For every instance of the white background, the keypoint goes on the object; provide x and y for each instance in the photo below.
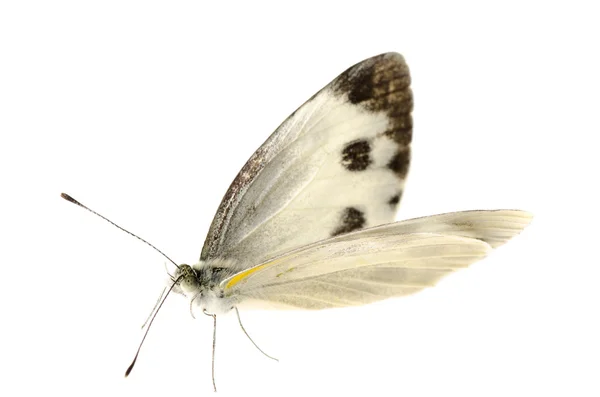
(146, 110)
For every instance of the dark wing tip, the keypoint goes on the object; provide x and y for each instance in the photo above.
(381, 84)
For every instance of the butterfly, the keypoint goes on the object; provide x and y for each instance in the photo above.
(309, 220)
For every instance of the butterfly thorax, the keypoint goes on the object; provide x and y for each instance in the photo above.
(201, 285)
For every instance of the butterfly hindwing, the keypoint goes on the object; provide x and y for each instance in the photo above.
(395, 259)
(336, 165)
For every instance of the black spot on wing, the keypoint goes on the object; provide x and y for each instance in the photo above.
(399, 163)
(352, 219)
(394, 200)
(355, 156)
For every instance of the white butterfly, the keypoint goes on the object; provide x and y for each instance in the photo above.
(307, 223)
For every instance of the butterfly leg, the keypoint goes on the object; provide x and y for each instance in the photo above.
(254, 343)
(214, 343)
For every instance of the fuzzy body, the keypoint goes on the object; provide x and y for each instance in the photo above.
(200, 283)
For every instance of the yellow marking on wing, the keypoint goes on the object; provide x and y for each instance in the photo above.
(242, 275)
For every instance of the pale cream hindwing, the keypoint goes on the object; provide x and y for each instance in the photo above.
(336, 165)
(368, 265)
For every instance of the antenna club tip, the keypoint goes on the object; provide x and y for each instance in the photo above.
(68, 198)
(129, 369)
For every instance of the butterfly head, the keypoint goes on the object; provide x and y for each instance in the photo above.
(189, 282)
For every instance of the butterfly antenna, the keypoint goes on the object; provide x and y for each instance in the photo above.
(155, 305)
(72, 200)
(150, 325)
(214, 316)
(254, 343)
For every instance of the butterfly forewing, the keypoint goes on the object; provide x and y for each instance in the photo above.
(336, 165)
